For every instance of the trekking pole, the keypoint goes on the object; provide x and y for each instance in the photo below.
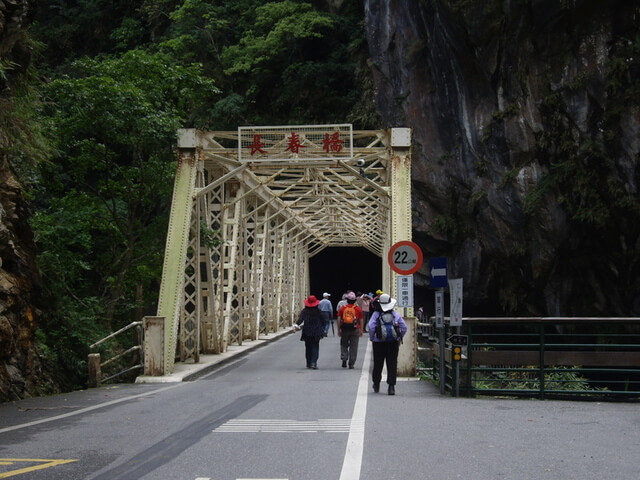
(333, 328)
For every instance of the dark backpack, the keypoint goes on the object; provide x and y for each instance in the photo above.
(349, 316)
(385, 329)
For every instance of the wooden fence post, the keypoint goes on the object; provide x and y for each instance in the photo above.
(95, 374)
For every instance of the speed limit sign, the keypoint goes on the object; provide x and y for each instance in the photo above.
(405, 257)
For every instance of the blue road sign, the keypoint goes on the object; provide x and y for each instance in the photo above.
(438, 272)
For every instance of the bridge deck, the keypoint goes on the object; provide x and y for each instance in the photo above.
(260, 416)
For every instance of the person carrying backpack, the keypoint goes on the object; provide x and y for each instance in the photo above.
(386, 329)
(349, 330)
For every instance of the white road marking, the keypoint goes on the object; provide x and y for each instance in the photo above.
(355, 444)
(329, 425)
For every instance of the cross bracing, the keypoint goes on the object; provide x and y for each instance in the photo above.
(243, 228)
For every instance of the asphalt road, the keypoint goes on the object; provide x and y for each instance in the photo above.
(265, 416)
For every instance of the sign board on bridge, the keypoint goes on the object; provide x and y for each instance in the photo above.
(300, 142)
(460, 340)
(439, 309)
(405, 291)
(455, 302)
(438, 272)
(405, 258)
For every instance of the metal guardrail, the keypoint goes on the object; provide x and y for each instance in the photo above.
(95, 365)
(542, 357)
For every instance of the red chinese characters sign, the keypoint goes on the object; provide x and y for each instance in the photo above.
(295, 142)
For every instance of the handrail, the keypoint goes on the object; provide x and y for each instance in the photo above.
(120, 355)
(114, 334)
(94, 362)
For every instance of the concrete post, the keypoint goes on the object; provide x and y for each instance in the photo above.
(407, 356)
(154, 346)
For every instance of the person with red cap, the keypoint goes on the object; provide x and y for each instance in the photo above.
(312, 323)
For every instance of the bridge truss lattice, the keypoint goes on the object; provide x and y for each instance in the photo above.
(241, 232)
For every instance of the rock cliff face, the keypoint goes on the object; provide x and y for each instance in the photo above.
(20, 367)
(21, 373)
(526, 127)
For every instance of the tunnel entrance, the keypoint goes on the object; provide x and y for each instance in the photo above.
(338, 269)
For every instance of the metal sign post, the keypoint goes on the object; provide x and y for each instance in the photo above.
(441, 336)
(438, 280)
(455, 318)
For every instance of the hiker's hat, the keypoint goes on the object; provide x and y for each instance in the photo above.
(387, 303)
(312, 301)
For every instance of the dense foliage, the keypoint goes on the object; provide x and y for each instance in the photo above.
(119, 79)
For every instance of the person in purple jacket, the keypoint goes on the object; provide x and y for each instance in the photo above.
(386, 329)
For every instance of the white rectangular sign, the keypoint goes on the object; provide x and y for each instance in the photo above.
(439, 309)
(455, 302)
(405, 290)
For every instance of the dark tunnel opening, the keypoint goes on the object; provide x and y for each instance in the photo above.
(338, 269)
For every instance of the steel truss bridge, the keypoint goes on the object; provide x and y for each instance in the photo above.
(251, 207)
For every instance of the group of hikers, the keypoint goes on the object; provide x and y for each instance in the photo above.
(356, 314)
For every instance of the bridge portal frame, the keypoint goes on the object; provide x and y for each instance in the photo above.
(241, 234)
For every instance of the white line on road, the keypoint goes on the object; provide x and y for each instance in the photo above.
(328, 425)
(88, 409)
(355, 444)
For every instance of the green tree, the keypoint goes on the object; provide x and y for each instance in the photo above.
(103, 201)
(72, 29)
(293, 64)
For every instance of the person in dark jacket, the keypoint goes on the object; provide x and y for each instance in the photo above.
(312, 323)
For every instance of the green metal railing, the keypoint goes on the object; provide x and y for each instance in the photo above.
(546, 357)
